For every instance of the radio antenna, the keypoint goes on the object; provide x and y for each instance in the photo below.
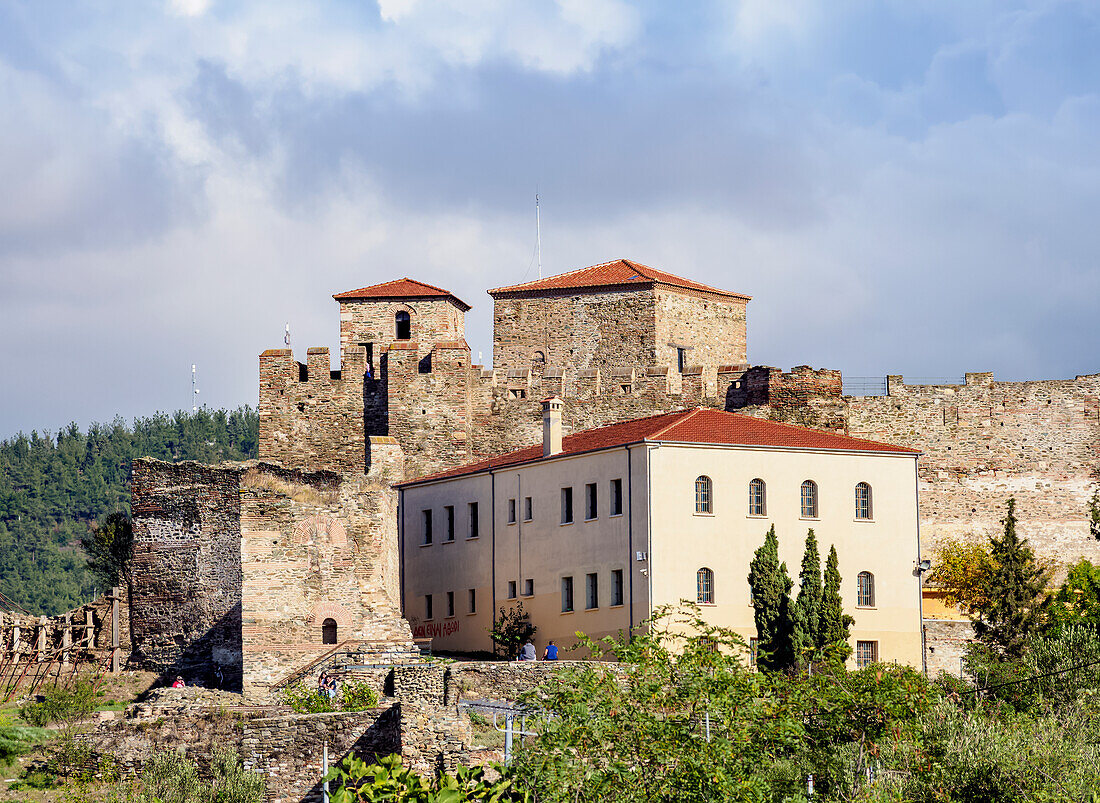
(194, 390)
(538, 233)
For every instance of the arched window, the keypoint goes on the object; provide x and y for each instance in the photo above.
(809, 499)
(863, 501)
(703, 496)
(538, 358)
(403, 324)
(704, 586)
(758, 498)
(328, 631)
(865, 590)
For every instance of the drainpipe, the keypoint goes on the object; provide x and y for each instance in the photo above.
(649, 525)
(493, 541)
(630, 536)
(920, 573)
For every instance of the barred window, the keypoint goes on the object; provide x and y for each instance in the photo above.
(865, 590)
(703, 496)
(863, 501)
(704, 586)
(758, 498)
(866, 653)
(809, 499)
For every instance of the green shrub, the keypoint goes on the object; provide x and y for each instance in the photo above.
(61, 705)
(169, 777)
(357, 696)
(307, 700)
(388, 779)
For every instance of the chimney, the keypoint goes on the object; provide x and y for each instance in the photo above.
(551, 426)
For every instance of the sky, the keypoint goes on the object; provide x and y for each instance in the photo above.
(904, 187)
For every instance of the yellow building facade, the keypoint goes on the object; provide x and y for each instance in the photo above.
(594, 531)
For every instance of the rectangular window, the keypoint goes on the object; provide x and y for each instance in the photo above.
(475, 525)
(528, 509)
(617, 587)
(566, 594)
(511, 511)
(473, 600)
(866, 653)
(426, 526)
(428, 606)
(566, 505)
(450, 603)
(591, 591)
(616, 497)
(681, 355)
(590, 501)
(450, 512)
(511, 589)
(528, 587)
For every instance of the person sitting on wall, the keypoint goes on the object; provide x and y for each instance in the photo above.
(178, 682)
(528, 652)
(551, 653)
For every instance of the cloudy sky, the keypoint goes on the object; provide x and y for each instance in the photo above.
(905, 187)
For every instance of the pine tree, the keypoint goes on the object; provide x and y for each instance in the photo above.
(1017, 592)
(770, 586)
(833, 623)
(806, 621)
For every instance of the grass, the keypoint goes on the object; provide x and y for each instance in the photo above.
(299, 492)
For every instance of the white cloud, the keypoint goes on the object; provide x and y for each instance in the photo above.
(189, 8)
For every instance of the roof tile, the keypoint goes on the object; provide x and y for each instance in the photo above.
(401, 288)
(701, 426)
(616, 273)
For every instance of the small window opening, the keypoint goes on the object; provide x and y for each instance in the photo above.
(328, 631)
(403, 325)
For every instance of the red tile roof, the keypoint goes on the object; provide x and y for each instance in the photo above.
(701, 426)
(618, 273)
(401, 288)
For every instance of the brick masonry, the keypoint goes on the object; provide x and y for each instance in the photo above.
(239, 566)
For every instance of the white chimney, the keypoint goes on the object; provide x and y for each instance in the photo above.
(551, 426)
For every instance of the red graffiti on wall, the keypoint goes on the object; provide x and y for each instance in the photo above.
(435, 629)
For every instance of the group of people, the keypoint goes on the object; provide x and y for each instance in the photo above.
(528, 652)
(326, 685)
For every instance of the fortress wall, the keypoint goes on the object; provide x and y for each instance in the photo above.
(373, 321)
(710, 328)
(315, 547)
(985, 441)
(578, 329)
(185, 612)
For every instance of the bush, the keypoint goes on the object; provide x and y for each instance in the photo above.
(357, 696)
(169, 777)
(389, 780)
(61, 705)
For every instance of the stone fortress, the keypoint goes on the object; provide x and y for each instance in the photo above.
(249, 572)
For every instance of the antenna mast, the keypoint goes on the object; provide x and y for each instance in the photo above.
(538, 235)
(194, 390)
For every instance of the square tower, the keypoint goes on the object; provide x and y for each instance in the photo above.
(403, 311)
(616, 314)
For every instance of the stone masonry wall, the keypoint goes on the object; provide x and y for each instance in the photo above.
(185, 614)
(433, 320)
(710, 328)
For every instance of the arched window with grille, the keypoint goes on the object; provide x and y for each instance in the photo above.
(403, 325)
(538, 359)
(863, 501)
(704, 586)
(704, 498)
(758, 498)
(328, 631)
(809, 499)
(865, 590)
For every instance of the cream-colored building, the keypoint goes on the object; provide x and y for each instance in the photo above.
(595, 530)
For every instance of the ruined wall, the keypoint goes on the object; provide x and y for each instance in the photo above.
(985, 441)
(433, 320)
(313, 548)
(185, 613)
(238, 566)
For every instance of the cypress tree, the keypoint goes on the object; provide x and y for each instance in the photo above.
(1017, 592)
(833, 623)
(806, 621)
(771, 587)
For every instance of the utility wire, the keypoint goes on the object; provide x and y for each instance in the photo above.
(1034, 677)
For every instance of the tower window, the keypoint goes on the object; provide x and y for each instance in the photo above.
(403, 323)
(328, 631)
(538, 358)
(681, 359)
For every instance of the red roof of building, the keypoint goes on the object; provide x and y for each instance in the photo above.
(618, 273)
(700, 426)
(401, 288)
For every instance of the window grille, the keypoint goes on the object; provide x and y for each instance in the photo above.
(865, 590)
(704, 586)
(703, 496)
(863, 501)
(809, 499)
(758, 498)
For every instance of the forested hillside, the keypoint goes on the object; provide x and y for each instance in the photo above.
(53, 487)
